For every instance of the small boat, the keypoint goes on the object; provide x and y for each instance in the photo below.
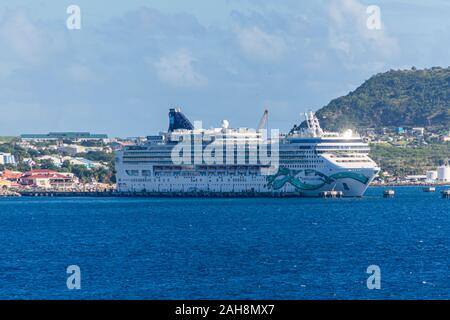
(390, 193)
(446, 194)
(429, 189)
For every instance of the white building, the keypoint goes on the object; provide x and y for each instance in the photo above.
(432, 175)
(418, 131)
(443, 173)
(56, 160)
(7, 158)
(84, 162)
(71, 150)
(416, 177)
(74, 149)
(58, 136)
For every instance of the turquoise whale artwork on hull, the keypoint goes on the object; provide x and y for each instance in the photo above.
(285, 175)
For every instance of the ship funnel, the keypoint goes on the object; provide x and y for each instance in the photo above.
(177, 120)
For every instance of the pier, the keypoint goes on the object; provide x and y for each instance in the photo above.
(67, 193)
(388, 193)
(7, 193)
(196, 194)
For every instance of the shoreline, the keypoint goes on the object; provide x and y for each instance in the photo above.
(116, 194)
(410, 184)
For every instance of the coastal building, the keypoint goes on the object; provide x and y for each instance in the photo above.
(443, 173)
(56, 160)
(48, 179)
(26, 144)
(431, 176)
(11, 175)
(29, 161)
(416, 178)
(418, 131)
(7, 158)
(5, 184)
(74, 149)
(72, 136)
(83, 162)
(119, 144)
(71, 150)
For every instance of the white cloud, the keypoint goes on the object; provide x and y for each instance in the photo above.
(178, 70)
(21, 36)
(293, 50)
(348, 30)
(259, 44)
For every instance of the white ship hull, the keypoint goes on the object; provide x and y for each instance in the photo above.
(244, 185)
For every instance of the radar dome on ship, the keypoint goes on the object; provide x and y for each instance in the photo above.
(225, 124)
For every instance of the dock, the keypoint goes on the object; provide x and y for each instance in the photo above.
(68, 193)
(196, 194)
(388, 193)
(5, 194)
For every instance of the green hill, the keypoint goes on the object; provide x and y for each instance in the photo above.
(395, 98)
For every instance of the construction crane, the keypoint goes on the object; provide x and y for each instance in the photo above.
(263, 121)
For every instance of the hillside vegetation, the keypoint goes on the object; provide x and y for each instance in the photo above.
(395, 98)
(404, 160)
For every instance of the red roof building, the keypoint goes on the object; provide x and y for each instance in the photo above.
(11, 175)
(48, 179)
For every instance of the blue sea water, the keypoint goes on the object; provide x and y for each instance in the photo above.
(226, 248)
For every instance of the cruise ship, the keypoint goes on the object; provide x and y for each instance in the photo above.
(189, 160)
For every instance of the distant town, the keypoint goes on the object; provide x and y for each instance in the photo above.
(410, 155)
(60, 161)
(84, 162)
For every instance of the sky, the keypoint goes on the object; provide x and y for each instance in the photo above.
(224, 59)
